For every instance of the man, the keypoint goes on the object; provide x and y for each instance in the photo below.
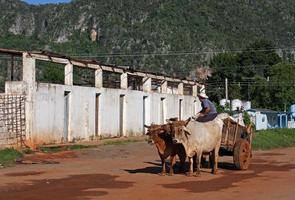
(208, 112)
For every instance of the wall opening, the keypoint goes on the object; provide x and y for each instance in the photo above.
(187, 89)
(66, 115)
(122, 116)
(48, 72)
(135, 83)
(97, 114)
(162, 111)
(111, 80)
(180, 109)
(83, 77)
(172, 88)
(156, 85)
(10, 70)
(145, 113)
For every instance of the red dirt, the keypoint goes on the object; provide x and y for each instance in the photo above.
(49, 156)
(30, 173)
(130, 172)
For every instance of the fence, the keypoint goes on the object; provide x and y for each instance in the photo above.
(12, 120)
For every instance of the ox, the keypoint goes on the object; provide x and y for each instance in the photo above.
(198, 138)
(161, 137)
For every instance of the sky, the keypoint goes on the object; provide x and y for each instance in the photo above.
(46, 1)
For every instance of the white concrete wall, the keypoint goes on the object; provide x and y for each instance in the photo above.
(48, 112)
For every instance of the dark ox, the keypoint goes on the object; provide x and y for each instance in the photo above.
(161, 136)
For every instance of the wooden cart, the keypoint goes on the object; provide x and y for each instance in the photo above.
(236, 141)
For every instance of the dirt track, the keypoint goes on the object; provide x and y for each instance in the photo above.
(130, 172)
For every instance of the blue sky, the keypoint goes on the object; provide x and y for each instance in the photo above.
(46, 1)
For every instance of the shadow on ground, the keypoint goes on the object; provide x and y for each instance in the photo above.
(156, 168)
(230, 178)
(74, 187)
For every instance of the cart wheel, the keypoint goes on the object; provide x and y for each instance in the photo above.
(242, 154)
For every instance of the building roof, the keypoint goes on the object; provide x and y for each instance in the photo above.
(94, 64)
(266, 111)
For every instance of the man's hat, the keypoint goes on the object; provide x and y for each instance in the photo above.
(203, 93)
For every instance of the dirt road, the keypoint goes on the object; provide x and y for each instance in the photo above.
(130, 172)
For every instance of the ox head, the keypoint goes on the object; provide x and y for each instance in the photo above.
(179, 131)
(156, 132)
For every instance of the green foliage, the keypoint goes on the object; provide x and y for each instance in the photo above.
(8, 156)
(263, 84)
(246, 118)
(274, 138)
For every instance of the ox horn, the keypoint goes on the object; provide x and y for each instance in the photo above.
(146, 126)
(187, 121)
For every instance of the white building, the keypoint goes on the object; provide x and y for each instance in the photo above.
(56, 113)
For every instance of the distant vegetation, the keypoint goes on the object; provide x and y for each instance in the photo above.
(257, 74)
(274, 138)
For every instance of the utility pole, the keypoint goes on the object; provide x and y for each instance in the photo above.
(226, 90)
(12, 69)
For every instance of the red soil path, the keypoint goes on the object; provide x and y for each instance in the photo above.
(130, 172)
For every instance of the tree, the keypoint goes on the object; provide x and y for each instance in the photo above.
(282, 81)
(224, 65)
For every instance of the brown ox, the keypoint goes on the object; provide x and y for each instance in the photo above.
(161, 137)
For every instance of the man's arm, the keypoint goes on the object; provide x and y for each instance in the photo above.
(204, 111)
(206, 108)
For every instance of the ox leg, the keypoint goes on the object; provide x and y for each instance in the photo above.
(199, 158)
(163, 173)
(214, 161)
(172, 162)
(182, 163)
(195, 162)
(191, 166)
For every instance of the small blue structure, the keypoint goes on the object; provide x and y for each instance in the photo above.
(267, 119)
(292, 114)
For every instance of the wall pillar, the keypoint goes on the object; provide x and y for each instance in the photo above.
(29, 79)
(195, 90)
(180, 89)
(147, 84)
(124, 81)
(164, 87)
(98, 78)
(69, 74)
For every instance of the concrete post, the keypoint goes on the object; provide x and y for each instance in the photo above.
(164, 87)
(98, 78)
(180, 89)
(29, 79)
(69, 74)
(147, 84)
(195, 90)
(124, 81)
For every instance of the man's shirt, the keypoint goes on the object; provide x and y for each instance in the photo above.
(206, 103)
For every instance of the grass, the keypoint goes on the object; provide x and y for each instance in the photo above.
(119, 142)
(55, 149)
(273, 138)
(8, 156)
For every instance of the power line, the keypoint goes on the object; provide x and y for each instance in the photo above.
(173, 53)
(177, 53)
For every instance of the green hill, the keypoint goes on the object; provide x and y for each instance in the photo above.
(147, 26)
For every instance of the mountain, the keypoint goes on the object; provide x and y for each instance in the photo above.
(130, 27)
